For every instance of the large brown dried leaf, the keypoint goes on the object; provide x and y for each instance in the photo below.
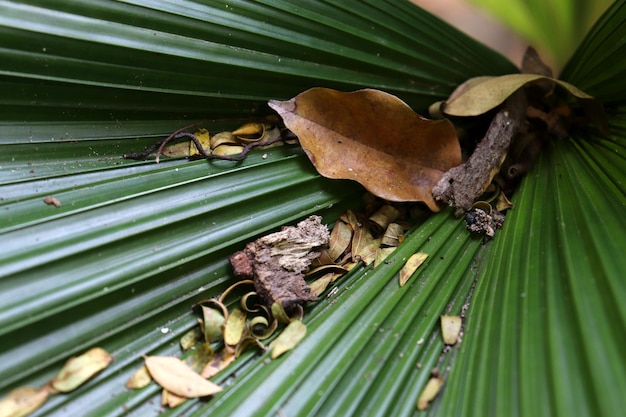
(374, 138)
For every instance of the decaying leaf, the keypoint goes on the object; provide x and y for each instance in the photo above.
(190, 338)
(288, 338)
(382, 254)
(364, 245)
(220, 361)
(201, 355)
(411, 265)
(384, 216)
(394, 235)
(319, 285)
(213, 320)
(188, 148)
(429, 392)
(374, 138)
(170, 399)
(340, 239)
(172, 374)
(234, 327)
(79, 369)
(486, 93)
(23, 400)
(450, 329)
(139, 379)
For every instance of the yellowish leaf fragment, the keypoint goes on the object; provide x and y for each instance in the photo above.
(364, 246)
(205, 140)
(220, 361)
(79, 369)
(340, 239)
(382, 254)
(223, 138)
(22, 401)
(414, 262)
(189, 339)
(394, 235)
(140, 379)
(319, 285)
(288, 339)
(429, 392)
(278, 312)
(202, 354)
(450, 329)
(234, 327)
(172, 374)
(170, 399)
(384, 215)
(213, 321)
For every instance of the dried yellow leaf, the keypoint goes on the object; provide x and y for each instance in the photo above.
(450, 329)
(222, 138)
(414, 262)
(234, 327)
(364, 246)
(249, 129)
(140, 379)
(172, 374)
(384, 215)
(226, 149)
(382, 254)
(394, 235)
(340, 239)
(202, 354)
(288, 339)
(278, 312)
(429, 392)
(213, 322)
(220, 361)
(189, 339)
(79, 369)
(170, 399)
(22, 401)
(319, 285)
(205, 140)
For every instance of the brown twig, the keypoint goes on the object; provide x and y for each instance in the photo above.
(463, 184)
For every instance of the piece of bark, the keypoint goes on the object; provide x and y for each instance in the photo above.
(462, 185)
(277, 262)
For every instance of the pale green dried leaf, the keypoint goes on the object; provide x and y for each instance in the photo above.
(79, 369)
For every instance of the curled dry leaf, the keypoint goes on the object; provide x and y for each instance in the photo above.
(479, 95)
(411, 265)
(288, 338)
(79, 369)
(172, 374)
(374, 138)
(22, 401)
(429, 392)
(213, 321)
(219, 362)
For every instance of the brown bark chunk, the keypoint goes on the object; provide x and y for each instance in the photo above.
(277, 262)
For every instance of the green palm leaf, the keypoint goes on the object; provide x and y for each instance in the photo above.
(135, 244)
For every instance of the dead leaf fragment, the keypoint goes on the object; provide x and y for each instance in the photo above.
(374, 138)
(170, 399)
(411, 265)
(79, 369)
(220, 361)
(288, 338)
(172, 374)
(22, 401)
(52, 201)
(190, 338)
(429, 392)
(213, 321)
(140, 379)
(340, 238)
(234, 327)
(450, 329)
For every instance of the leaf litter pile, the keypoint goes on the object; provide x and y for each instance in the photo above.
(405, 161)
